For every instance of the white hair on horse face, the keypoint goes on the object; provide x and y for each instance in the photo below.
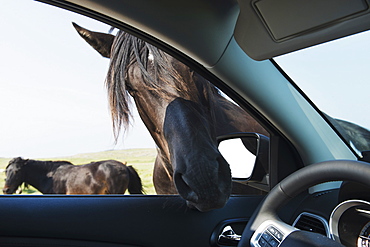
(150, 56)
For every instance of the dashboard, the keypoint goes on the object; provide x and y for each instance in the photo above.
(350, 223)
(341, 214)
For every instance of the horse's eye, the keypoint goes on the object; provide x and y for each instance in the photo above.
(129, 89)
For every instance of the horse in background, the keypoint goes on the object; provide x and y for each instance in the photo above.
(358, 137)
(62, 177)
(183, 112)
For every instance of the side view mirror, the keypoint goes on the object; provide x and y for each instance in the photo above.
(247, 155)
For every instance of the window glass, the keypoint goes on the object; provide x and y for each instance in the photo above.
(334, 76)
(55, 110)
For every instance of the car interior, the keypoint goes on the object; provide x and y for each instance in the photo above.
(310, 170)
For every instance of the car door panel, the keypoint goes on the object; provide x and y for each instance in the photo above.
(132, 220)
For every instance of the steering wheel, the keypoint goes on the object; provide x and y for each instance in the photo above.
(265, 223)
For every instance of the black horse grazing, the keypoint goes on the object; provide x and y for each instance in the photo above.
(183, 112)
(62, 177)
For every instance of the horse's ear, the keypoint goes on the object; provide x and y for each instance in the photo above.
(101, 42)
(18, 159)
(22, 161)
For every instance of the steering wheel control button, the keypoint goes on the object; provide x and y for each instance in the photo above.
(276, 233)
(271, 237)
(274, 243)
(266, 236)
(271, 234)
(263, 243)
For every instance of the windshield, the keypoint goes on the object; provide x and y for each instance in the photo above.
(334, 76)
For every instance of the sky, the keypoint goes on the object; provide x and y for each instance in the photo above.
(335, 76)
(53, 101)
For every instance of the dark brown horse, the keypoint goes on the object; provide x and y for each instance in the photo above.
(183, 112)
(62, 177)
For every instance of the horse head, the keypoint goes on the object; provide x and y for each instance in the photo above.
(176, 105)
(14, 175)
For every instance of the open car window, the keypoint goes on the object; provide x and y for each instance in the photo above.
(54, 102)
(53, 98)
(334, 76)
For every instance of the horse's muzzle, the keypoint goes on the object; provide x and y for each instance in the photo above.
(206, 191)
(7, 191)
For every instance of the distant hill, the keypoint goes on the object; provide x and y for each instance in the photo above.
(141, 159)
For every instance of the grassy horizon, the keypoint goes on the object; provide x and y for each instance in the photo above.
(142, 159)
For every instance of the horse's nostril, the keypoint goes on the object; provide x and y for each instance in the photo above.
(184, 189)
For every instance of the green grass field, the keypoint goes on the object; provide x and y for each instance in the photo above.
(141, 159)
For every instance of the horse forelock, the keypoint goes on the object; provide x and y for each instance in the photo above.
(121, 57)
(162, 75)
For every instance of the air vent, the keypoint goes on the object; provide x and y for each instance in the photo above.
(312, 223)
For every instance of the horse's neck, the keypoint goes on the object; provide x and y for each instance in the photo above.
(226, 115)
(38, 174)
(230, 118)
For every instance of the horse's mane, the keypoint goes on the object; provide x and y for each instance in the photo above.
(48, 164)
(128, 50)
